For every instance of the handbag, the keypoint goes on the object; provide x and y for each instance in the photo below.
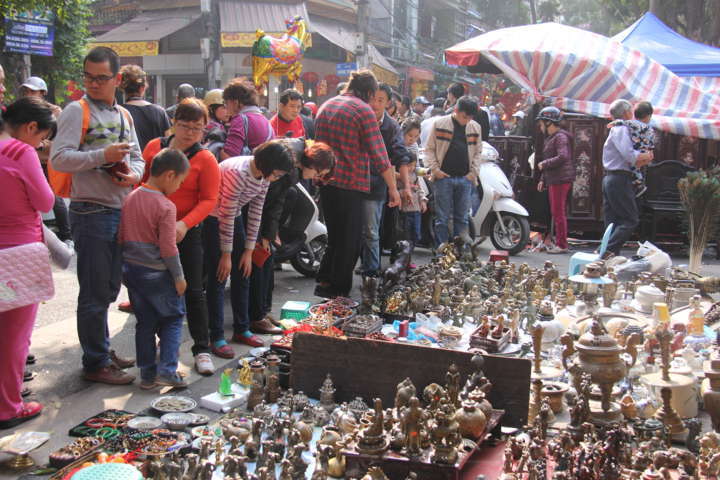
(25, 276)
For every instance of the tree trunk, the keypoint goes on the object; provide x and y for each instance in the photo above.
(695, 16)
(533, 11)
(655, 7)
(713, 36)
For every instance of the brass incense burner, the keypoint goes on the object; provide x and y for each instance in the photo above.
(600, 356)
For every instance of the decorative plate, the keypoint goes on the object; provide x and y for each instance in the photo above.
(173, 404)
(144, 423)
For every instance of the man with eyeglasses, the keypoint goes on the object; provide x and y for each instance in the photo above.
(101, 152)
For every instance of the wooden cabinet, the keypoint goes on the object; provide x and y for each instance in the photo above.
(585, 212)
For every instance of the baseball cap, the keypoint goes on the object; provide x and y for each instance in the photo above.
(519, 113)
(35, 84)
(422, 100)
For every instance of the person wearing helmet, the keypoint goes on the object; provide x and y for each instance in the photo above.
(216, 108)
(558, 172)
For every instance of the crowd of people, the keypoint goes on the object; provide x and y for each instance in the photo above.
(171, 203)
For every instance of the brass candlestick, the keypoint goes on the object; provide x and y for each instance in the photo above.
(539, 370)
(684, 398)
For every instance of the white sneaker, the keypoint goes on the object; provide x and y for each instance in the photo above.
(204, 364)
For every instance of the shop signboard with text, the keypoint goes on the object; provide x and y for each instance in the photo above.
(30, 33)
(345, 69)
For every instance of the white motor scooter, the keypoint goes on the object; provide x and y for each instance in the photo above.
(499, 215)
(305, 253)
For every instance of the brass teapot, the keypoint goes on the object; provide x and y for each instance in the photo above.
(600, 356)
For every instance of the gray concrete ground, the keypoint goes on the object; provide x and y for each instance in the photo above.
(69, 400)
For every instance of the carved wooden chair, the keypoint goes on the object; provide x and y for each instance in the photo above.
(661, 202)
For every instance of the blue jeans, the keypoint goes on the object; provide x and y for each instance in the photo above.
(452, 199)
(412, 226)
(159, 311)
(215, 290)
(99, 266)
(372, 216)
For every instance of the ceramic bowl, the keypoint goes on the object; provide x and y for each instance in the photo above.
(144, 423)
(177, 421)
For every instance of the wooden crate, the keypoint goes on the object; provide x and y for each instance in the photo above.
(368, 368)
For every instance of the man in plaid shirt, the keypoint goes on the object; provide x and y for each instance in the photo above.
(348, 125)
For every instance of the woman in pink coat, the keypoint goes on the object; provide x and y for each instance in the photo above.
(25, 193)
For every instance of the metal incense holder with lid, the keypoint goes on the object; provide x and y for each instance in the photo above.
(600, 356)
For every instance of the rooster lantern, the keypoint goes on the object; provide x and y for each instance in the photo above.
(280, 56)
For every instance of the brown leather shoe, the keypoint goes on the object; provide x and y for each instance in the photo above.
(111, 375)
(121, 362)
(264, 326)
(273, 320)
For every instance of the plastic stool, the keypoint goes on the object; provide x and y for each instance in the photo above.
(580, 259)
(497, 255)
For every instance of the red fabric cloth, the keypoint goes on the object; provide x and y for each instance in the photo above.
(558, 199)
(282, 127)
(349, 126)
(198, 194)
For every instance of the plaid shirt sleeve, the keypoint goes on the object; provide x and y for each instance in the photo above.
(373, 141)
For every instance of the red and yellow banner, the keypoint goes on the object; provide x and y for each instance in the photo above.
(131, 49)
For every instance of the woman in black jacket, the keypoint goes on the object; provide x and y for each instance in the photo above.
(314, 161)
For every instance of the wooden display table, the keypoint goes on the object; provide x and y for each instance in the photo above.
(369, 369)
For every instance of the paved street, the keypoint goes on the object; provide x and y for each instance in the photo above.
(68, 399)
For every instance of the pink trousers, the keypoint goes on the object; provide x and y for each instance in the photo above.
(558, 200)
(15, 331)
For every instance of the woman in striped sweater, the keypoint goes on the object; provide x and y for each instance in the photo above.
(229, 245)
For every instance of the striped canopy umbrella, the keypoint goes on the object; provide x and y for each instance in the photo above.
(584, 72)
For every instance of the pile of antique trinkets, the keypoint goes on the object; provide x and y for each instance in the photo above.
(285, 435)
(619, 371)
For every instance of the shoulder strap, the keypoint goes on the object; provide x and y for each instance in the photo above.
(189, 153)
(194, 150)
(126, 113)
(246, 127)
(85, 119)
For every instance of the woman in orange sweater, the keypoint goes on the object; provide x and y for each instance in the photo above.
(194, 200)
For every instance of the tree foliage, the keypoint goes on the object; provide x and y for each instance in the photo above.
(71, 36)
(499, 14)
(695, 19)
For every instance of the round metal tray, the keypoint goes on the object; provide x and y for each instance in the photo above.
(185, 404)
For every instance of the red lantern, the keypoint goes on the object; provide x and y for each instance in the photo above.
(310, 77)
